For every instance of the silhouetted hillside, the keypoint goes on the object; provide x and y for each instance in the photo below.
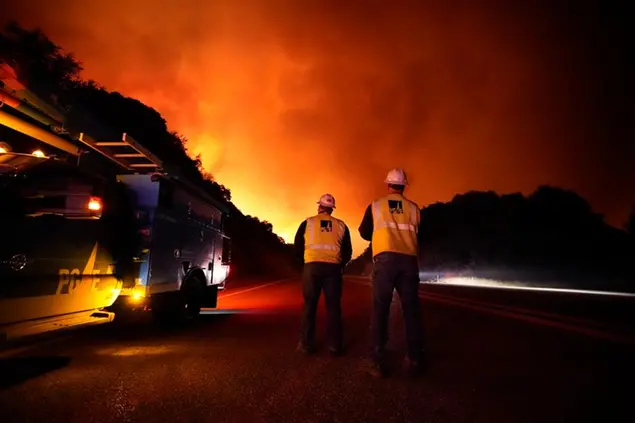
(549, 237)
(54, 75)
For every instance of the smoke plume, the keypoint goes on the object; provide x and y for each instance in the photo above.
(287, 100)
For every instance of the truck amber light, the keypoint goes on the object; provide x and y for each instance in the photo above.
(4, 148)
(38, 153)
(94, 204)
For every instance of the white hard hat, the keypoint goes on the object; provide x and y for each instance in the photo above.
(396, 177)
(327, 200)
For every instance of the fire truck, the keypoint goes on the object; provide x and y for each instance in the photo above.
(94, 226)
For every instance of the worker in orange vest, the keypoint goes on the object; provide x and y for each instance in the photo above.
(324, 243)
(391, 223)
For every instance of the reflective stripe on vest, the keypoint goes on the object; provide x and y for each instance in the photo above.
(323, 239)
(395, 226)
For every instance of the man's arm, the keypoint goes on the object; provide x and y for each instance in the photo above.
(347, 247)
(299, 243)
(366, 227)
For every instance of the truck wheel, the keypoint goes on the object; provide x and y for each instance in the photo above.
(193, 296)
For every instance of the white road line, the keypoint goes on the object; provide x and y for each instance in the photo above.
(565, 323)
(513, 309)
(535, 288)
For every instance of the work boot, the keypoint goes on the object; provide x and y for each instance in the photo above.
(304, 349)
(375, 368)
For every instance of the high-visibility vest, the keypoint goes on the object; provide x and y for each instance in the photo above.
(395, 225)
(323, 239)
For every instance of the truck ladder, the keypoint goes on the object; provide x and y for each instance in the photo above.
(127, 153)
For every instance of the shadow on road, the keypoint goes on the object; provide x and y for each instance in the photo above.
(145, 328)
(14, 371)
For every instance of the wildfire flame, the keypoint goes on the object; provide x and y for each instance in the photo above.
(288, 100)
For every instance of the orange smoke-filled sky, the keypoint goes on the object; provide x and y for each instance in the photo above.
(287, 100)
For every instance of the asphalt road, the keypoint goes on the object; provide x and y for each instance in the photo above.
(238, 365)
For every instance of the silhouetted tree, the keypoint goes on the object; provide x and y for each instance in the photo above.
(42, 65)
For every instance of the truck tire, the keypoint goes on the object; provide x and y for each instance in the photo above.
(177, 307)
(194, 291)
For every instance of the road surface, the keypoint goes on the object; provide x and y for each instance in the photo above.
(238, 365)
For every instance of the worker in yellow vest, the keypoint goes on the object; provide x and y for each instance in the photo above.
(391, 224)
(324, 244)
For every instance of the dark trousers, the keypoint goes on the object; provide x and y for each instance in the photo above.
(316, 277)
(401, 272)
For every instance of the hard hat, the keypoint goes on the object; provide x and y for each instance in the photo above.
(327, 200)
(396, 177)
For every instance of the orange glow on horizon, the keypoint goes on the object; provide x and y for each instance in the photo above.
(286, 101)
